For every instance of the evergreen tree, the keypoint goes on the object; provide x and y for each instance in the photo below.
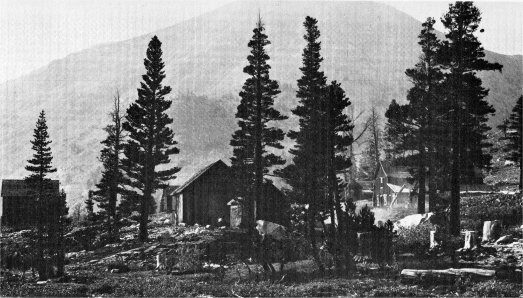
(306, 172)
(415, 124)
(110, 185)
(150, 139)
(513, 135)
(338, 138)
(251, 160)
(131, 202)
(89, 207)
(462, 57)
(56, 231)
(39, 167)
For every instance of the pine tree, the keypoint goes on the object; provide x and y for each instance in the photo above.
(306, 172)
(89, 207)
(56, 231)
(462, 57)
(256, 114)
(416, 122)
(110, 185)
(338, 133)
(514, 127)
(150, 139)
(39, 167)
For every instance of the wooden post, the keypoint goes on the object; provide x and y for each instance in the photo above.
(470, 239)
(491, 230)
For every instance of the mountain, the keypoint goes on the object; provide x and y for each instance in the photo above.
(366, 46)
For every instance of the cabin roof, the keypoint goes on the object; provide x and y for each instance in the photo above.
(20, 188)
(197, 175)
(401, 172)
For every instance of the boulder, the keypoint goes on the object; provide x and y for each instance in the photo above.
(415, 220)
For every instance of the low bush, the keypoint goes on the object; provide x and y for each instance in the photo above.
(189, 258)
(477, 209)
(494, 288)
(414, 239)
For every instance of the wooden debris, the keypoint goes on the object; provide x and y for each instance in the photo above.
(420, 273)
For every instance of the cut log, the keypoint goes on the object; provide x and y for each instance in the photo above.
(420, 273)
(491, 230)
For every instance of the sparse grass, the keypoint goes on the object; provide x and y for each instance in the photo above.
(300, 280)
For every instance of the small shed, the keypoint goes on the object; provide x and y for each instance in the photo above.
(19, 201)
(202, 197)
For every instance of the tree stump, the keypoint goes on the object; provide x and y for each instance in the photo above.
(435, 238)
(470, 239)
(491, 230)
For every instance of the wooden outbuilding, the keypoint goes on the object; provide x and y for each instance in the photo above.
(19, 208)
(202, 198)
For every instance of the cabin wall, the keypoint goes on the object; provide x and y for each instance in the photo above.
(205, 199)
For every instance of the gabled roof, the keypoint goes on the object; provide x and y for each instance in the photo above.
(19, 188)
(392, 171)
(199, 173)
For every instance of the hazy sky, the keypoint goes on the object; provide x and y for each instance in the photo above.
(35, 32)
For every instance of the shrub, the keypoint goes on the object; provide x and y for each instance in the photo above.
(495, 288)
(506, 208)
(189, 258)
(414, 239)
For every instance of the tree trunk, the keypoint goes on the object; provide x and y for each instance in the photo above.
(520, 175)
(432, 182)
(455, 175)
(144, 216)
(421, 180)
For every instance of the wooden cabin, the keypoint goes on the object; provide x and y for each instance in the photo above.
(202, 198)
(19, 202)
(391, 185)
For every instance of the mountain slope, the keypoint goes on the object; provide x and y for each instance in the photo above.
(366, 46)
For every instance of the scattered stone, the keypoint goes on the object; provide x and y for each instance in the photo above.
(167, 222)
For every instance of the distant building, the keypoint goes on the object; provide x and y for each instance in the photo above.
(203, 197)
(388, 183)
(19, 202)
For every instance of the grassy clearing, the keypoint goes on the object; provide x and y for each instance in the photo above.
(299, 280)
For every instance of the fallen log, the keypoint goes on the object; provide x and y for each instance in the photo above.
(451, 272)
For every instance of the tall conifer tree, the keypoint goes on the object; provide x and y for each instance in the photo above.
(39, 167)
(307, 170)
(416, 121)
(462, 57)
(110, 185)
(514, 126)
(150, 138)
(256, 114)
